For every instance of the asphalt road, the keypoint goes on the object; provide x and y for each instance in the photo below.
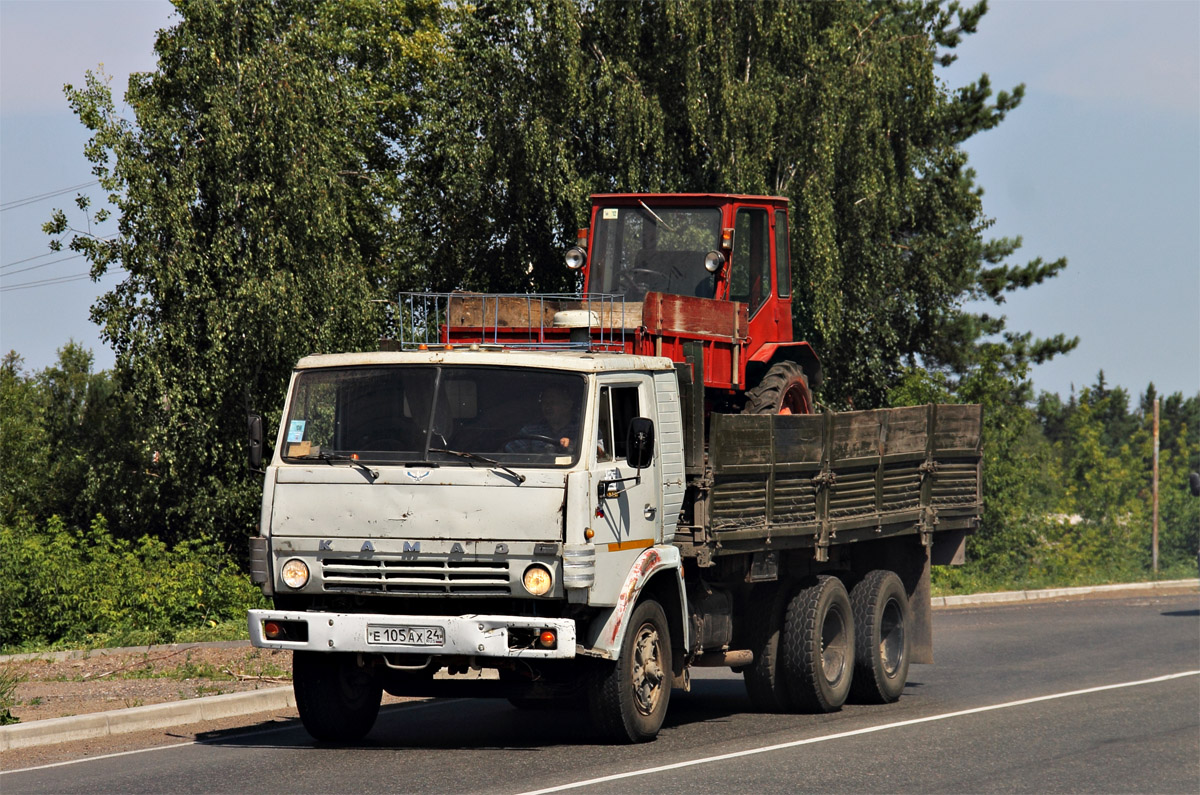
(1099, 695)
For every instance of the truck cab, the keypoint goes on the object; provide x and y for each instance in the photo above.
(462, 509)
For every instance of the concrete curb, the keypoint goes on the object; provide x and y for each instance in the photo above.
(135, 719)
(1056, 593)
(180, 713)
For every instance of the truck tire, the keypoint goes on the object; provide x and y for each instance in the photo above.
(765, 680)
(881, 638)
(628, 700)
(338, 700)
(818, 646)
(783, 390)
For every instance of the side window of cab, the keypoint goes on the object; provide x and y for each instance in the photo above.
(618, 405)
(750, 271)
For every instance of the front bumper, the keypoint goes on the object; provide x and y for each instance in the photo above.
(472, 635)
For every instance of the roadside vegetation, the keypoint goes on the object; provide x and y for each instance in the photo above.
(289, 168)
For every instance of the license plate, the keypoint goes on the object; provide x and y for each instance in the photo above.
(387, 635)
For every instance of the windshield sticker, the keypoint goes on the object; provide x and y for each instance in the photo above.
(296, 431)
(610, 213)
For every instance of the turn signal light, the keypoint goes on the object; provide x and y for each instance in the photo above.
(547, 639)
(272, 630)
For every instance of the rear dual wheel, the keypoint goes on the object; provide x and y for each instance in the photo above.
(765, 681)
(803, 649)
(881, 621)
(818, 646)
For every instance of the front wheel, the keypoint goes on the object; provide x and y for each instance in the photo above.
(628, 701)
(818, 646)
(338, 699)
(881, 621)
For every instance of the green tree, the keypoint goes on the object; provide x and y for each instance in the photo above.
(23, 444)
(1021, 477)
(255, 191)
(69, 446)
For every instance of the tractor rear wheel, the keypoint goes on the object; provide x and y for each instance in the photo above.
(783, 390)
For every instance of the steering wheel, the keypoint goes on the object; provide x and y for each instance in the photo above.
(534, 437)
(644, 278)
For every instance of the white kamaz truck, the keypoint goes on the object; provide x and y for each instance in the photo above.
(529, 491)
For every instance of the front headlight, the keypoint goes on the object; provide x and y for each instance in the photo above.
(576, 258)
(714, 261)
(295, 573)
(537, 580)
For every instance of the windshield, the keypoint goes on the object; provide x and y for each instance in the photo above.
(636, 250)
(423, 413)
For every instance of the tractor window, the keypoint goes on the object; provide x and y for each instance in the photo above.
(749, 273)
(783, 269)
(636, 250)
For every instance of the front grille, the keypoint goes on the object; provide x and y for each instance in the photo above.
(416, 576)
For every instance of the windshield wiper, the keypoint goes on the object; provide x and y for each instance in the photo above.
(646, 207)
(476, 457)
(329, 458)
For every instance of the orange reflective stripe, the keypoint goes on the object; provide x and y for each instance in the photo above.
(644, 543)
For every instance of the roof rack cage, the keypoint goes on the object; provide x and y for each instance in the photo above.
(531, 321)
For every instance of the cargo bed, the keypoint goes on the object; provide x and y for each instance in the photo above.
(777, 482)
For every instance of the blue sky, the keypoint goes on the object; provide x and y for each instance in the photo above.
(1101, 164)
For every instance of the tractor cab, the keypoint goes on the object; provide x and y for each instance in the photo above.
(713, 246)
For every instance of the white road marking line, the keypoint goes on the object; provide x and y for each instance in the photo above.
(869, 730)
(292, 725)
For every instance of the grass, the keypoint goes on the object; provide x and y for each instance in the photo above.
(10, 678)
(254, 664)
(229, 630)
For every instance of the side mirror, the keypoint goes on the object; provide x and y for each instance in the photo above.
(255, 449)
(1194, 483)
(639, 445)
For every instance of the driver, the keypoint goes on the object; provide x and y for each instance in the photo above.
(558, 424)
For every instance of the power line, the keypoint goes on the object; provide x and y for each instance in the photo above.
(28, 259)
(43, 265)
(47, 254)
(55, 281)
(15, 203)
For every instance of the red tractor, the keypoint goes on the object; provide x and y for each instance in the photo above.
(703, 278)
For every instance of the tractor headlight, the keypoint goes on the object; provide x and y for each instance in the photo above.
(713, 261)
(576, 258)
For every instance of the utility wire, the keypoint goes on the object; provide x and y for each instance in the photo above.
(8, 265)
(44, 264)
(15, 203)
(47, 282)
(28, 259)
